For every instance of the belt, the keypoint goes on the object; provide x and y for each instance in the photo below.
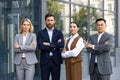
(23, 58)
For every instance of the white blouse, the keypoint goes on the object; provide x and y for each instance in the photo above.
(74, 52)
(24, 40)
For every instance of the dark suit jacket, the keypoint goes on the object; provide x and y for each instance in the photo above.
(102, 51)
(55, 46)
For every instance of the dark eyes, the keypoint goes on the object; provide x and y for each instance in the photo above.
(73, 26)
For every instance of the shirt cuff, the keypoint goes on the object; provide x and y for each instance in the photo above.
(63, 55)
(93, 47)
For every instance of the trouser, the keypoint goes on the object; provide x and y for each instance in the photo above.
(51, 68)
(25, 71)
(97, 76)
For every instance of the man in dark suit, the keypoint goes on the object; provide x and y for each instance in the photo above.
(50, 41)
(99, 45)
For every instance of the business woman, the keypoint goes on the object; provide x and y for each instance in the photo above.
(24, 47)
(72, 55)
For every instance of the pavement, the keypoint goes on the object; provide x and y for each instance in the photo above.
(116, 73)
(85, 73)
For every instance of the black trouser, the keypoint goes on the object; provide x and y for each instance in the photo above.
(50, 69)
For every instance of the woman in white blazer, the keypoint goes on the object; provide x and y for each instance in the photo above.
(24, 48)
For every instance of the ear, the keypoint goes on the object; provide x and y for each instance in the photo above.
(78, 29)
(105, 25)
(55, 21)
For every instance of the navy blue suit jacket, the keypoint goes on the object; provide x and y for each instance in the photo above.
(55, 46)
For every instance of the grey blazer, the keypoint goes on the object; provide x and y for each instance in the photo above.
(102, 51)
(27, 49)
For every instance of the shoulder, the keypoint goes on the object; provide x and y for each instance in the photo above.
(32, 34)
(92, 35)
(81, 39)
(107, 33)
(57, 30)
(42, 31)
(18, 35)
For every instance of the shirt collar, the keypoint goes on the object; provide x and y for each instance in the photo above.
(25, 35)
(101, 33)
(74, 36)
(50, 29)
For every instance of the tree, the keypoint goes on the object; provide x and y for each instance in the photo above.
(81, 17)
(55, 8)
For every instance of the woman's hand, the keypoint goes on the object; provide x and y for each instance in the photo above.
(16, 46)
(64, 50)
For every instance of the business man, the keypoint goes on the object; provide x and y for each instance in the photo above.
(50, 41)
(99, 45)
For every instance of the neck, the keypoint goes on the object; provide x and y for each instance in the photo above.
(50, 28)
(100, 32)
(24, 33)
(74, 34)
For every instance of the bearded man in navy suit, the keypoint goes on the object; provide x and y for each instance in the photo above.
(50, 41)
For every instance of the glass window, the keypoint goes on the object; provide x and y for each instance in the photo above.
(109, 16)
(79, 15)
(80, 2)
(94, 14)
(109, 5)
(96, 4)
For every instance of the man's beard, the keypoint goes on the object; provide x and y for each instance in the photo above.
(50, 25)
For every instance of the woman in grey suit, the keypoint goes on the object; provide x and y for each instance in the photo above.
(24, 47)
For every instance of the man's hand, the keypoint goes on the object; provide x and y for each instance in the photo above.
(106, 42)
(46, 43)
(59, 40)
(89, 45)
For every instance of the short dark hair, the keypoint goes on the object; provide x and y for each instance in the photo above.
(75, 23)
(49, 15)
(100, 19)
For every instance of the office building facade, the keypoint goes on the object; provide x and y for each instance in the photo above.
(85, 12)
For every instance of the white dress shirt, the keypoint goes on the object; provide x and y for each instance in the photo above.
(24, 40)
(74, 52)
(50, 33)
(99, 36)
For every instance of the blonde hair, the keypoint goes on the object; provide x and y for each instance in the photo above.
(28, 20)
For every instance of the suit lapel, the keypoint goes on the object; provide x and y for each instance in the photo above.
(46, 35)
(53, 35)
(21, 39)
(27, 38)
(102, 37)
(96, 38)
